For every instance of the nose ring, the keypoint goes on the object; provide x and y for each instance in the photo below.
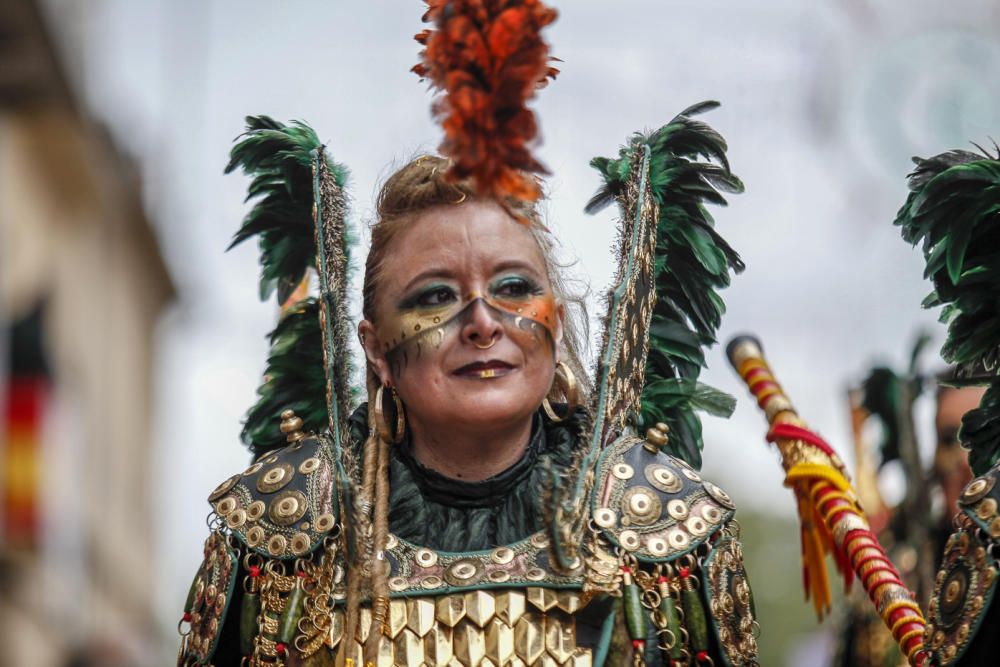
(493, 341)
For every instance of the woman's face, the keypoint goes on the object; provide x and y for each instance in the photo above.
(466, 325)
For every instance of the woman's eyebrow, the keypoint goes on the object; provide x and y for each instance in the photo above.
(507, 264)
(433, 272)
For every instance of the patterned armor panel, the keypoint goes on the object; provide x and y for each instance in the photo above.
(284, 505)
(727, 590)
(506, 606)
(208, 599)
(967, 580)
(480, 627)
(653, 505)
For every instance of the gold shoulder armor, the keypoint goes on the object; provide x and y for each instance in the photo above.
(284, 504)
(653, 505)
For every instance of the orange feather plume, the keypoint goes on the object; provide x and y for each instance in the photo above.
(487, 58)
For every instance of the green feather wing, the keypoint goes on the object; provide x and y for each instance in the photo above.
(278, 157)
(279, 160)
(688, 170)
(294, 379)
(953, 212)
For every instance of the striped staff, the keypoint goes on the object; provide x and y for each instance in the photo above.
(831, 517)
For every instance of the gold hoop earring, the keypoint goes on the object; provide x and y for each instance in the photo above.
(385, 432)
(566, 381)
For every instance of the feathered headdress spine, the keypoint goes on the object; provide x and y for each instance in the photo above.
(688, 169)
(279, 158)
(953, 211)
(487, 58)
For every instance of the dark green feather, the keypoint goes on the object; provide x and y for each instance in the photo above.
(688, 170)
(953, 211)
(279, 160)
(278, 157)
(293, 380)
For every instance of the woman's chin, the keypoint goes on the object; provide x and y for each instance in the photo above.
(483, 403)
(492, 405)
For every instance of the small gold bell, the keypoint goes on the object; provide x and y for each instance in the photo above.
(291, 426)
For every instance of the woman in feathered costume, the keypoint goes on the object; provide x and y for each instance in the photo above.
(952, 212)
(488, 505)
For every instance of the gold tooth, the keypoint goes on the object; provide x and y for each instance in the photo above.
(499, 641)
(542, 598)
(529, 638)
(450, 609)
(420, 615)
(479, 607)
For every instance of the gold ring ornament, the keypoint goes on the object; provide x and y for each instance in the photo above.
(287, 508)
(385, 432)
(663, 478)
(493, 341)
(977, 489)
(275, 478)
(256, 510)
(564, 380)
(222, 488)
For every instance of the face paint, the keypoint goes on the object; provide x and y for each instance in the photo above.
(529, 319)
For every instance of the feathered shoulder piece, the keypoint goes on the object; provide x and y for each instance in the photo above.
(953, 211)
(290, 172)
(666, 308)
(486, 58)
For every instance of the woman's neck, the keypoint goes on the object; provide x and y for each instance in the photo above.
(470, 455)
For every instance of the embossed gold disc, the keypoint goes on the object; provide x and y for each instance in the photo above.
(287, 508)
(275, 478)
(663, 478)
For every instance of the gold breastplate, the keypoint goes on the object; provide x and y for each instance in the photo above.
(492, 608)
(652, 517)
(531, 626)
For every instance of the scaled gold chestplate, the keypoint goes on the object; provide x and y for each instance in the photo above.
(660, 539)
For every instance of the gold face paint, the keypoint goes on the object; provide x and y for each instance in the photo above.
(424, 320)
(410, 322)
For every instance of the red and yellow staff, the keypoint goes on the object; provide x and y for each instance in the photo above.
(831, 518)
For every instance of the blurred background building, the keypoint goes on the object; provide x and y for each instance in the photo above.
(82, 286)
(122, 404)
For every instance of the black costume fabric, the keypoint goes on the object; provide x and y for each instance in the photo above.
(446, 514)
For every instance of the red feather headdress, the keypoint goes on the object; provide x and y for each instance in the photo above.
(487, 58)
